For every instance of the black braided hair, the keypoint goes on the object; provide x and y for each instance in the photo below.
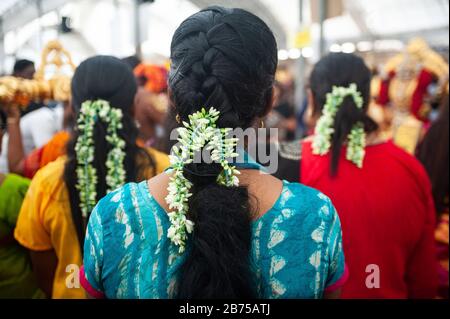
(226, 59)
(106, 78)
(342, 69)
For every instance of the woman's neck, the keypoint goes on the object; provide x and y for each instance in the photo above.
(374, 138)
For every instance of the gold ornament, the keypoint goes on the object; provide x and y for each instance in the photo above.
(20, 92)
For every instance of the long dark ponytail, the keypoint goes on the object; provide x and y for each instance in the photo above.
(341, 69)
(226, 59)
(106, 78)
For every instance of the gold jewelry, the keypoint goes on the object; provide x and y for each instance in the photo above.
(178, 119)
(262, 124)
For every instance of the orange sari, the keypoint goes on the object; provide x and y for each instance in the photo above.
(46, 154)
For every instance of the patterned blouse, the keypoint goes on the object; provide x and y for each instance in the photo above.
(296, 246)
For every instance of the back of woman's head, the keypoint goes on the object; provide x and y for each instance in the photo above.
(106, 78)
(109, 79)
(341, 70)
(226, 59)
(223, 58)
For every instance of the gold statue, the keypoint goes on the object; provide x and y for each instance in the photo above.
(411, 82)
(408, 76)
(20, 92)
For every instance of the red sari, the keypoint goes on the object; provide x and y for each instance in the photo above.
(388, 220)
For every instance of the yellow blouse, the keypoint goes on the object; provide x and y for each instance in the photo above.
(45, 223)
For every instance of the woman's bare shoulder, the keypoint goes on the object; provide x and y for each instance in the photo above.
(158, 188)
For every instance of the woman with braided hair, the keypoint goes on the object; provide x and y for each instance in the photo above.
(198, 230)
(383, 195)
(102, 155)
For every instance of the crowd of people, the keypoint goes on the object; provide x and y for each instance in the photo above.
(95, 201)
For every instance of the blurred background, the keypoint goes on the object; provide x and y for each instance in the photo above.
(122, 27)
(305, 31)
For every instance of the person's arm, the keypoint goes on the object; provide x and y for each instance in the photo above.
(16, 153)
(44, 267)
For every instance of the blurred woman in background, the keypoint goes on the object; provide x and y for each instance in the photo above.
(433, 152)
(103, 154)
(151, 102)
(382, 194)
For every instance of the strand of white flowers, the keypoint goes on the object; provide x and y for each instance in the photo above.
(116, 156)
(324, 128)
(356, 145)
(87, 122)
(193, 136)
(87, 177)
(179, 189)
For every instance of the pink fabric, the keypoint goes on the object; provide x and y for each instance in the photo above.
(340, 283)
(87, 286)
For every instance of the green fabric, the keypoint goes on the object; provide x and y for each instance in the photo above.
(12, 193)
(16, 277)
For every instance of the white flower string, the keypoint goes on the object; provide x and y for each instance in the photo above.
(324, 128)
(201, 131)
(356, 145)
(90, 113)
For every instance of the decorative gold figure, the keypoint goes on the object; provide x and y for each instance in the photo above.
(20, 92)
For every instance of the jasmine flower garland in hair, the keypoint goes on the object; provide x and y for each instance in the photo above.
(356, 145)
(90, 113)
(201, 131)
(324, 128)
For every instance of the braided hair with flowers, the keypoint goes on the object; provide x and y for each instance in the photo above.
(201, 131)
(90, 113)
(222, 60)
(102, 153)
(340, 91)
(324, 128)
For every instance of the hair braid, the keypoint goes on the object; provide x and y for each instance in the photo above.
(226, 59)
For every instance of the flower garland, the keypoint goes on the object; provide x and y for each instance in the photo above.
(201, 131)
(90, 113)
(324, 128)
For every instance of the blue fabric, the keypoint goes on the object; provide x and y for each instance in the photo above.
(296, 246)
